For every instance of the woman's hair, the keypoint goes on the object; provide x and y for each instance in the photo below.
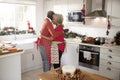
(50, 14)
(59, 18)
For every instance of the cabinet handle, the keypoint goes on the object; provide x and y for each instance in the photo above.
(77, 50)
(109, 63)
(108, 68)
(110, 56)
(32, 56)
(110, 50)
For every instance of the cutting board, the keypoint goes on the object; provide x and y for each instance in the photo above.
(10, 52)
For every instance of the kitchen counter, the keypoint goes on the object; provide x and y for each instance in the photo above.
(24, 41)
(21, 43)
(78, 41)
(30, 55)
(10, 66)
(10, 52)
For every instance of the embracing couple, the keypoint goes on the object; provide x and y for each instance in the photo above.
(48, 34)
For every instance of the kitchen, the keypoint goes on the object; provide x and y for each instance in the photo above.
(95, 27)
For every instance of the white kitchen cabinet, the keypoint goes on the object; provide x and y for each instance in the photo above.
(110, 63)
(113, 7)
(10, 66)
(31, 58)
(37, 58)
(27, 60)
(70, 56)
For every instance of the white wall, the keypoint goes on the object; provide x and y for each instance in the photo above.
(39, 14)
(94, 31)
(93, 27)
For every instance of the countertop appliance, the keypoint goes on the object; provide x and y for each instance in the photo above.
(89, 56)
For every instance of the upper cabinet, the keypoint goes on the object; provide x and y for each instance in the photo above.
(95, 8)
(102, 8)
(113, 7)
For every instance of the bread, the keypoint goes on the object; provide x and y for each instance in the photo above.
(12, 49)
(89, 39)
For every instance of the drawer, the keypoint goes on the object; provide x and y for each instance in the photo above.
(110, 57)
(110, 63)
(110, 51)
(110, 72)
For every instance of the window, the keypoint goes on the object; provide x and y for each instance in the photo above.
(17, 16)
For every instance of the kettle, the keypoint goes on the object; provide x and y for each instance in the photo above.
(102, 40)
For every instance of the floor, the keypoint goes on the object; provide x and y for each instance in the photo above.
(31, 75)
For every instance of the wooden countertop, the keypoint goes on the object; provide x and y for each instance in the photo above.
(10, 52)
(50, 75)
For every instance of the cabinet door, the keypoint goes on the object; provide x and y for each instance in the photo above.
(37, 58)
(31, 58)
(116, 12)
(109, 7)
(113, 10)
(27, 56)
(27, 60)
(70, 55)
(110, 72)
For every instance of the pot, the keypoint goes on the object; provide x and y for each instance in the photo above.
(99, 40)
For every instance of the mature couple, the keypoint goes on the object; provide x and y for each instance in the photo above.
(49, 34)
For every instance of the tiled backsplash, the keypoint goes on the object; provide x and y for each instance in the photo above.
(95, 30)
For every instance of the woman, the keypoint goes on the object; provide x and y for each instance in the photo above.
(57, 20)
(44, 44)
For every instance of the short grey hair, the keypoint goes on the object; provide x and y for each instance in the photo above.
(59, 18)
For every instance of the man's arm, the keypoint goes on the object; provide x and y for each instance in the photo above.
(46, 37)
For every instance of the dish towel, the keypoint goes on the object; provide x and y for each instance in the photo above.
(54, 53)
(87, 55)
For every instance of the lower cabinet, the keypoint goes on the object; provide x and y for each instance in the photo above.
(70, 55)
(31, 58)
(110, 72)
(110, 63)
(10, 66)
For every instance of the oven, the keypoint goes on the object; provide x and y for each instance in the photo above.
(89, 56)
